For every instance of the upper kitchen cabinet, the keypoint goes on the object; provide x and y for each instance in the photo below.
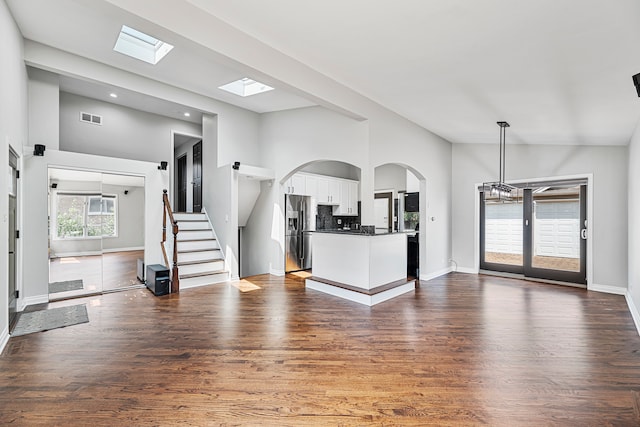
(348, 199)
(328, 191)
(295, 185)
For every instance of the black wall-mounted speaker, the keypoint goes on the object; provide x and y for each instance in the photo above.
(636, 82)
(38, 150)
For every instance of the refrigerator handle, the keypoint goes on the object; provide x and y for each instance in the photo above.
(301, 238)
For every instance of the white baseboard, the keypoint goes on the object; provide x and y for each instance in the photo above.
(136, 248)
(72, 254)
(607, 289)
(38, 299)
(275, 272)
(358, 297)
(466, 270)
(4, 339)
(634, 311)
(429, 276)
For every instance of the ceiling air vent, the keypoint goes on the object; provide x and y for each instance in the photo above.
(90, 118)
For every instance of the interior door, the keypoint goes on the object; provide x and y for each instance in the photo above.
(555, 233)
(13, 203)
(382, 206)
(197, 177)
(181, 205)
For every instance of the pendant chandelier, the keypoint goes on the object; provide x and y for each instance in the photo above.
(501, 190)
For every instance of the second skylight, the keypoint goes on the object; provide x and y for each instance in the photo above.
(245, 87)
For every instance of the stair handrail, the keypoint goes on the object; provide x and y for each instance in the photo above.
(175, 278)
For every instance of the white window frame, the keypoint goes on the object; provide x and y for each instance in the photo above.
(87, 196)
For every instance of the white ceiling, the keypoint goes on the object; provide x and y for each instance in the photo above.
(558, 71)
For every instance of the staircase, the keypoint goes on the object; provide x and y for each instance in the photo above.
(200, 259)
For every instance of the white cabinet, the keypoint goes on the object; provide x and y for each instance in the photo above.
(328, 191)
(295, 185)
(348, 199)
(311, 186)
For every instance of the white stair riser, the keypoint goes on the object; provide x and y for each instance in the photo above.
(193, 225)
(202, 245)
(182, 217)
(201, 268)
(204, 280)
(199, 256)
(191, 235)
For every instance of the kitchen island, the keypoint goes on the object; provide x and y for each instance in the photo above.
(364, 268)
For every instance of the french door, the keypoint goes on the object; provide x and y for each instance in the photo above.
(541, 233)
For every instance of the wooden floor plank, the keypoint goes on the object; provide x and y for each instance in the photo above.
(463, 350)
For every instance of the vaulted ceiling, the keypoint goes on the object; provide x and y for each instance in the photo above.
(558, 71)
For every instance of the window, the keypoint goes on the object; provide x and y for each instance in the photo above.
(79, 216)
(141, 46)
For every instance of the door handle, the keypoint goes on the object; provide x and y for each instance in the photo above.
(583, 234)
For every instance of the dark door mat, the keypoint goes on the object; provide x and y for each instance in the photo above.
(68, 285)
(53, 318)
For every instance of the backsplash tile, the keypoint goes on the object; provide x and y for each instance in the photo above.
(326, 221)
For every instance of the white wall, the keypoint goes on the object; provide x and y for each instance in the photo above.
(13, 132)
(390, 177)
(633, 195)
(130, 218)
(36, 185)
(124, 133)
(337, 169)
(477, 163)
(289, 140)
(396, 140)
(44, 105)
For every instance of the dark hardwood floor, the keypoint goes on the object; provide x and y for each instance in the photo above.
(463, 350)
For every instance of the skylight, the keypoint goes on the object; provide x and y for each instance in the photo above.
(246, 87)
(141, 46)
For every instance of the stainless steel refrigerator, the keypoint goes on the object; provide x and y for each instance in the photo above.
(298, 227)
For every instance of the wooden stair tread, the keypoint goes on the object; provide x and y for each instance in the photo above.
(204, 261)
(206, 273)
(197, 240)
(190, 251)
(194, 229)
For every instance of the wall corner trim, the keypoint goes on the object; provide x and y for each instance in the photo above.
(4, 339)
(275, 272)
(607, 289)
(438, 273)
(37, 299)
(466, 270)
(633, 310)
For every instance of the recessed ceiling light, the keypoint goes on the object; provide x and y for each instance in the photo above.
(113, 95)
(246, 87)
(187, 114)
(141, 46)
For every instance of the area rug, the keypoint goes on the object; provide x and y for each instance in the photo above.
(68, 285)
(53, 318)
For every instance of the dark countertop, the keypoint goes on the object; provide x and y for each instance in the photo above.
(361, 232)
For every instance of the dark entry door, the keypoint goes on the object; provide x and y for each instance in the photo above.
(197, 177)
(13, 234)
(181, 204)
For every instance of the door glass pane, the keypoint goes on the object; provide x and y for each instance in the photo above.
(503, 231)
(556, 228)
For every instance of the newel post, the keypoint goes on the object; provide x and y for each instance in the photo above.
(175, 278)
